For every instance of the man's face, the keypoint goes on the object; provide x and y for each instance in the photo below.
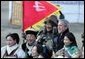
(61, 27)
(30, 38)
(10, 42)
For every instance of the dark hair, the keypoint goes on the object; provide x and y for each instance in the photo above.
(71, 37)
(39, 48)
(15, 36)
(47, 52)
(53, 20)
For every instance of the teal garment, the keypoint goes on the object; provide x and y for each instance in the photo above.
(72, 50)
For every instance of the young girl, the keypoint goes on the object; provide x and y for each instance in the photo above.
(39, 51)
(70, 49)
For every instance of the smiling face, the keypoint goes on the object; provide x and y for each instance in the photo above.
(48, 27)
(61, 27)
(67, 41)
(34, 52)
(30, 38)
(10, 41)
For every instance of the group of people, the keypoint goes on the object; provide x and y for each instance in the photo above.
(53, 41)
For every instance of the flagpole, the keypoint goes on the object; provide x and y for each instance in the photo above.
(10, 9)
(22, 16)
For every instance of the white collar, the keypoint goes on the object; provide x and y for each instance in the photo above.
(30, 48)
(28, 45)
(10, 49)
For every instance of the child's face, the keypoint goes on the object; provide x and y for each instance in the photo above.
(67, 41)
(34, 51)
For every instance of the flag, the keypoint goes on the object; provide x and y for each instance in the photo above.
(35, 12)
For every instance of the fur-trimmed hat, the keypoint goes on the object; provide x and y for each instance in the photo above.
(31, 31)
